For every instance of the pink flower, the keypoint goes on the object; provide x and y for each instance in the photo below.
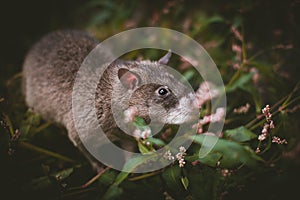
(268, 125)
(278, 140)
(216, 117)
(179, 156)
(262, 137)
(129, 114)
(206, 92)
(242, 109)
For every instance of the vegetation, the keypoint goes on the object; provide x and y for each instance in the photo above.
(255, 45)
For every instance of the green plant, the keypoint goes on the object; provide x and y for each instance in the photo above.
(258, 65)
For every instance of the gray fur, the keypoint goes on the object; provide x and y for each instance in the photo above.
(50, 69)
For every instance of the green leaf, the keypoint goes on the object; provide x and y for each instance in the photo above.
(63, 174)
(108, 177)
(171, 177)
(211, 159)
(233, 154)
(38, 184)
(240, 134)
(255, 96)
(113, 193)
(142, 148)
(140, 122)
(156, 141)
(205, 21)
(240, 82)
(29, 125)
(48, 181)
(9, 125)
(129, 166)
(185, 182)
(188, 75)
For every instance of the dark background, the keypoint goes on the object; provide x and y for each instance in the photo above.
(267, 23)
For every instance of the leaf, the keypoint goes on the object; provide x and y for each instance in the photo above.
(96, 3)
(156, 141)
(255, 96)
(38, 184)
(142, 148)
(203, 183)
(215, 19)
(185, 182)
(240, 134)
(100, 18)
(211, 159)
(8, 124)
(113, 193)
(140, 122)
(171, 177)
(188, 75)
(204, 22)
(240, 82)
(129, 166)
(48, 181)
(233, 154)
(62, 174)
(108, 177)
(29, 125)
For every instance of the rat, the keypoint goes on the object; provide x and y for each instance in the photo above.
(49, 73)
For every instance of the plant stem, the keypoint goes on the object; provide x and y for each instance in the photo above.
(144, 176)
(9, 125)
(44, 151)
(42, 127)
(285, 103)
(95, 178)
(244, 49)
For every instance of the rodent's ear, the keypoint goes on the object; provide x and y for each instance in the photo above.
(165, 59)
(128, 78)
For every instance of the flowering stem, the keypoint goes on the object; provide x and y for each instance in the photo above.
(261, 52)
(235, 76)
(258, 54)
(285, 105)
(260, 123)
(285, 101)
(291, 94)
(267, 147)
(244, 50)
(244, 60)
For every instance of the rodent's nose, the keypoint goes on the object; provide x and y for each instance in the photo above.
(193, 101)
(195, 104)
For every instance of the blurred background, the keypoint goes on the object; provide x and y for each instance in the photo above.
(265, 33)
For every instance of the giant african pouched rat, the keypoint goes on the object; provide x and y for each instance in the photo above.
(50, 69)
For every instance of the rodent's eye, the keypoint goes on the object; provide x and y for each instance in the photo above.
(162, 91)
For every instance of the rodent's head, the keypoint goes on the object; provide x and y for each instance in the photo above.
(157, 94)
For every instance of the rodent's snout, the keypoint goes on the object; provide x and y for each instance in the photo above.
(185, 111)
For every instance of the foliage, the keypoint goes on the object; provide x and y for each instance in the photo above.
(258, 63)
